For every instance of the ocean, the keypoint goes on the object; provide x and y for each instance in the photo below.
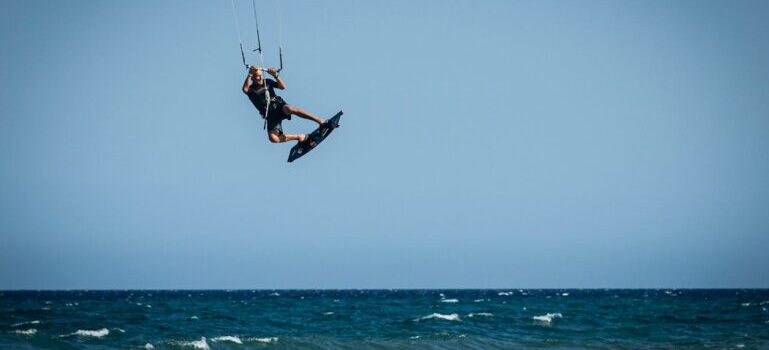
(386, 319)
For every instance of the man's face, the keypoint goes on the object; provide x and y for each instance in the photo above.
(258, 73)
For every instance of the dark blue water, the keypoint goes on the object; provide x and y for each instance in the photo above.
(385, 319)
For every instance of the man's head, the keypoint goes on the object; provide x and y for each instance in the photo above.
(256, 71)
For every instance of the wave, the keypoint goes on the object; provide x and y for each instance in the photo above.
(197, 344)
(149, 346)
(449, 300)
(25, 323)
(97, 333)
(485, 314)
(505, 294)
(451, 317)
(30, 331)
(228, 338)
(328, 313)
(548, 318)
(263, 340)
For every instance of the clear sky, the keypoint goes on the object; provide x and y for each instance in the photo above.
(484, 144)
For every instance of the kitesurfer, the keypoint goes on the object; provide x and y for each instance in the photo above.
(278, 110)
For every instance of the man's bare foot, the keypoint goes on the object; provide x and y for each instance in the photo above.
(321, 122)
(302, 137)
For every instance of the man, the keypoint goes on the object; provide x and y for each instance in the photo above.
(278, 109)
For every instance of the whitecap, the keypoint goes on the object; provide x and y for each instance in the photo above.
(451, 317)
(99, 333)
(149, 346)
(193, 318)
(547, 318)
(197, 344)
(275, 294)
(414, 337)
(121, 330)
(228, 338)
(25, 323)
(30, 331)
(745, 304)
(505, 294)
(564, 294)
(264, 340)
(328, 313)
(450, 301)
(486, 314)
(478, 300)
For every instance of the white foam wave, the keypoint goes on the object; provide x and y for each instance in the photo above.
(149, 346)
(564, 294)
(505, 294)
(276, 294)
(745, 304)
(485, 314)
(25, 323)
(328, 313)
(30, 331)
(268, 340)
(414, 337)
(451, 317)
(98, 333)
(547, 318)
(193, 318)
(228, 338)
(478, 300)
(450, 301)
(119, 330)
(197, 344)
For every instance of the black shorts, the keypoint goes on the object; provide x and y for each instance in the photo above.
(276, 115)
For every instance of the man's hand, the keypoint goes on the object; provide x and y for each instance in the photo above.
(272, 71)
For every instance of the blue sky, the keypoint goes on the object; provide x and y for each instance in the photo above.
(484, 144)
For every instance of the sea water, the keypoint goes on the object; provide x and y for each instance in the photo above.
(386, 319)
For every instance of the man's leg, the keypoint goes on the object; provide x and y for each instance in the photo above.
(278, 138)
(288, 109)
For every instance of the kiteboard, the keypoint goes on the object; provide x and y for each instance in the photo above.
(314, 138)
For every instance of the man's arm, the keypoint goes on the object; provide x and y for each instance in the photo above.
(247, 83)
(281, 84)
